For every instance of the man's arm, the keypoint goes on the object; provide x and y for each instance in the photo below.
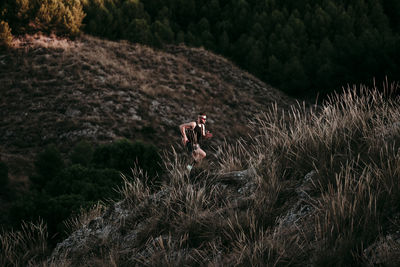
(205, 134)
(183, 127)
(208, 135)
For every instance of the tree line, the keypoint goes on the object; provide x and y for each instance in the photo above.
(299, 47)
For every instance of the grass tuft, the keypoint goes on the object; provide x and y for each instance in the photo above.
(25, 247)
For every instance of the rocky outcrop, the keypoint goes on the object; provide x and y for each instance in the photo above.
(121, 225)
(114, 227)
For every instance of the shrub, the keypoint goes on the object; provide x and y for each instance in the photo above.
(124, 155)
(52, 209)
(92, 184)
(61, 191)
(82, 153)
(72, 189)
(48, 164)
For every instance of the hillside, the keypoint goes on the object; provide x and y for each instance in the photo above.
(308, 187)
(55, 90)
(313, 189)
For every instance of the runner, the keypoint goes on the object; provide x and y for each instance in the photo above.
(192, 135)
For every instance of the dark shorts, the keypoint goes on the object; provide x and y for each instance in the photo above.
(190, 147)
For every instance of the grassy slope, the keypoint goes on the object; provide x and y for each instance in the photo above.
(60, 91)
(344, 212)
(323, 190)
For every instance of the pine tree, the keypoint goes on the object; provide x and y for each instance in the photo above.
(241, 17)
(295, 80)
(378, 19)
(191, 39)
(203, 25)
(224, 43)
(73, 17)
(20, 13)
(139, 31)
(60, 16)
(180, 37)
(320, 24)
(213, 10)
(255, 58)
(275, 70)
(185, 11)
(162, 33)
(5, 35)
(392, 10)
(207, 40)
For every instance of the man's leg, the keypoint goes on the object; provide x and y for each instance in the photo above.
(198, 155)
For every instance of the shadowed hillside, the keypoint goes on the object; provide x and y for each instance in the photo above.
(313, 188)
(54, 90)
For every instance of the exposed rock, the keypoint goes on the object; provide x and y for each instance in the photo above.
(106, 228)
(307, 184)
(72, 112)
(383, 251)
(296, 213)
(301, 208)
(98, 230)
(237, 177)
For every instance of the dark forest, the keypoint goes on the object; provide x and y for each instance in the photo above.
(302, 48)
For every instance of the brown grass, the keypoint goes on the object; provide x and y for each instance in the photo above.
(195, 220)
(25, 247)
(84, 217)
(351, 143)
(59, 91)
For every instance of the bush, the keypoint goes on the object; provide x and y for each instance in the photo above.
(73, 188)
(124, 155)
(92, 184)
(53, 210)
(60, 191)
(48, 164)
(82, 154)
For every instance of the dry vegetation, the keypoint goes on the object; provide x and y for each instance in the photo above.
(54, 90)
(321, 188)
(312, 187)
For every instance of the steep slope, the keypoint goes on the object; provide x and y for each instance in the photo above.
(315, 189)
(59, 91)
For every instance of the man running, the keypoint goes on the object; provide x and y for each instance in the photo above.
(192, 134)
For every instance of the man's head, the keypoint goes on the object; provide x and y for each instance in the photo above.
(202, 118)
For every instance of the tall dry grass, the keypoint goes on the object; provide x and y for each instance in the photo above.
(351, 143)
(25, 247)
(84, 217)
